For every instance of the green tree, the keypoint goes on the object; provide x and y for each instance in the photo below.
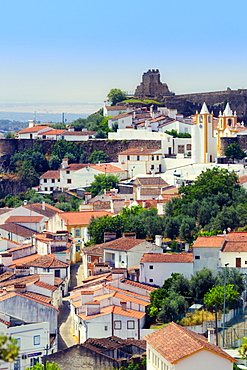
(103, 182)
(98, 156)
(8, 349)
(100, 134)
(156, 299)
(116, 96)
(10, 135)
(27, 173)
(233, 277)
(234, 151)
(173, 307)
(243, 349)
(48, 366)
(200, 283)
(54, 162)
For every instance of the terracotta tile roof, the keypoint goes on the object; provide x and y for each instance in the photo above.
(148, 203)
(167, 258)
(39, 297)
(28, 280)
(160, 118)
(114, 342)
(95, 250)
(41, 284)
(150, 191)
(82, 217)
(21, 261)
(52, 132)
(51, 175)
(32, 129)
(122, 244)
(44, 209)
(17, 230)
(151, 181)
(76, 304)
(106, 168)
(5, 210)
(121, 115)
(242, 179)
(24, 219)
(78, 133)
(20, 247)
(116, 310)
(128, 298)
(138, 285)
(174, 343)
(74, 167)
(47, 261)
(13, 294)
(99, 298)
(209, 242)
(6, 275)
(139, 151)
(57, 281)
(235, 242)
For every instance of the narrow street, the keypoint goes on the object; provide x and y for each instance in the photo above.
(65, 337)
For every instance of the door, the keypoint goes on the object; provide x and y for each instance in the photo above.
(238, 262)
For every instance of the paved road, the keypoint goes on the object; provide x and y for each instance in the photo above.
(65, 337)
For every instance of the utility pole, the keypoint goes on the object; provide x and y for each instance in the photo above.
(224, 305)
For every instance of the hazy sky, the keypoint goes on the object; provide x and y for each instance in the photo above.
(77, 50)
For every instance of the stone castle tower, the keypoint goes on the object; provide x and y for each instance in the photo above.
(151, 87)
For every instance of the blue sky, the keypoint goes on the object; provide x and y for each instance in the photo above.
(76, 51)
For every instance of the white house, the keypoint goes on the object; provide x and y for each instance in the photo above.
(33, 132)
(234, 251)
(157, 267)
(33, 341)
(206, 251)
(176, 348)
(126, 252)
(114, 110)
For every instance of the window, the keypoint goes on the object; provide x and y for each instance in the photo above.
(197, 257)
(120, 258)
(53, 181)
(89, 259)
(46, 188)
(43, 136)
(152, 167)
(45, 180)
(106, 328)
(113, 256)
(151, 280)
(188, 146)
(117, 325)
(58, 180)
(78, 248)
(36, 340)
(138, 158)
(180, 148)
(68, 181)
(89, 272)
(200, 119)
(128, 157)
(68, 172)
(57, 273)
(157, 157)
(100, 260)
(152, 157)
(51, 188)
(77, 233)
(151, 267)
(130, 324)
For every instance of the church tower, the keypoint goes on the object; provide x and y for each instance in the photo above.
(203, 141)
(227, 124)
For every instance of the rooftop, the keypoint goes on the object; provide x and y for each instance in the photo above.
(175, 342)
(167, 257)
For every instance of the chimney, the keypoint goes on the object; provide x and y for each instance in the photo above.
(25, 202)
(4, 290)
(186, 247)
(211, 336)
(158, 240)
(47, 278)
(108, 236)
(43, 205)
(123, 305)
(87, 196)
(20, 288)
(129, 235)
(92, 308)
(71, 128)
(65, 162)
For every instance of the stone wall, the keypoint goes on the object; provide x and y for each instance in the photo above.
(9, 146)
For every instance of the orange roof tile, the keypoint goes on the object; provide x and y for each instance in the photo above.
(167, 258)
(50, 175)
(74, 167)
(41, 284)
(139, 151)
(107, 168)
(82, 217)
(13, 294)
(52, 132)
(209, 242)
(25, 219)
(138, 285)
(32, 129)
(111, 287)
(47, 261)
(39, 297)
(23, 260)
(122, 244)
(116, 310)
(78, 133)
(28, 280)
(174, 343)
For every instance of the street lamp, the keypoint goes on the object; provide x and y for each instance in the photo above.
(224, 305)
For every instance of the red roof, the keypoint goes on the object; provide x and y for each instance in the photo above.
(51, 175)
(32, 129)
(122, 244)
(52, 132)
(25, 219)
(106, 168)
(209, 241)
(139, 151)
(47, 261)
(82, 217)
(116, 310)
(174, 343)
(167, 258)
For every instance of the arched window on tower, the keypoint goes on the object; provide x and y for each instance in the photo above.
(229, 122)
